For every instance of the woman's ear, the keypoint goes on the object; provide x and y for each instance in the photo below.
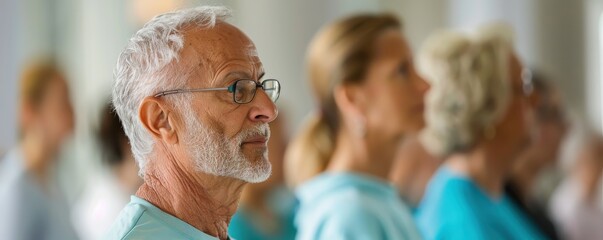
(156, 119)
(351, 97)
(351, 102)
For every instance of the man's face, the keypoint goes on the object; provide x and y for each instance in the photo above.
(222, 137)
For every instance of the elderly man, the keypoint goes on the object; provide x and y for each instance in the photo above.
(187, 93)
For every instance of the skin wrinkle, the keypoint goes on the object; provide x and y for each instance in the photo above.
(177, 179)
(222, 147)
(184, 187)
(216, 79)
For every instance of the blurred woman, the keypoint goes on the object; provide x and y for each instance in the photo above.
(369, 99)
(477, 120)
(31, 204)
(110, 189)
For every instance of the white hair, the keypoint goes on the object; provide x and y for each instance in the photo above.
(469, 86)
(148, 65)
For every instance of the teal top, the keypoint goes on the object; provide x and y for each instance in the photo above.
(352, 206)
(141, 220)
(455, 207)
(250, 224)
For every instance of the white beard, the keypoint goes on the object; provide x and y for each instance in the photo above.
(214, 154)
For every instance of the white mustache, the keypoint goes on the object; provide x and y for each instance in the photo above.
(258, 130)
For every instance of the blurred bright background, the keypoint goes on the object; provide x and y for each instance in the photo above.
(563, 39)
(560, 38)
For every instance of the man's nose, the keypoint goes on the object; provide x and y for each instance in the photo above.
(262, 108)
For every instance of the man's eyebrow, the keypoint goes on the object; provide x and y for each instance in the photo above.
(241, 75)
(236, 75)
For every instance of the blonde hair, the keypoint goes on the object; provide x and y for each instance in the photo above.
(339, 54)
(34, 82)
(469, 86)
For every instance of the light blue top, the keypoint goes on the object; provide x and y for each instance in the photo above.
(352, 206)
(251, 224)
(454, 207)
(141, 220)
(28, 210)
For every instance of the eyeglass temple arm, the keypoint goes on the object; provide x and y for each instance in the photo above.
(160, 94)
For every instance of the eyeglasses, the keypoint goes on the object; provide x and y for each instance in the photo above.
(243, 91)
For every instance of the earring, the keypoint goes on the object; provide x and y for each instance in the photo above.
(360, 127)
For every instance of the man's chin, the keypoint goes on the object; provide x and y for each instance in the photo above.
(258, 175)
(256, 168)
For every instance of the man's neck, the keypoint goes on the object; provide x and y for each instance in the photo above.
(204, 201)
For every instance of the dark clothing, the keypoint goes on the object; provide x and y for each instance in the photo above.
(534, 211)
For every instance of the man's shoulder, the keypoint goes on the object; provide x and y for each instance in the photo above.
(126, 222)
(140, 220)
(136, 222)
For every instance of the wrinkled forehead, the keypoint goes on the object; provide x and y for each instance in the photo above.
(211, 49)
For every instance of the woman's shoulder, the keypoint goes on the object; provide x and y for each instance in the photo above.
(450, 197)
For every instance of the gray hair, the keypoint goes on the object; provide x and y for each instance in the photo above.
(148, 65)
(469, 86)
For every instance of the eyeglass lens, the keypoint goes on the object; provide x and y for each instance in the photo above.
(245, 90)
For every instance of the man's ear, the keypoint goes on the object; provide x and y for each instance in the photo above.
(155, 118)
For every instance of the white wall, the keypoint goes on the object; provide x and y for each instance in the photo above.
(561, 49)
(594, 60)
(466, 15)
(9, 63)
(555, 37)
(420, 18)
(17, 47)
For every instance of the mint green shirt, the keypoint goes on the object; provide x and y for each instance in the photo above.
(141, 220)
(352, 206)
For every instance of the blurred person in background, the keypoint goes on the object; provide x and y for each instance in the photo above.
(478, 120)
(412, 170)
(266, 210)
(190, 93)
(110, 190)
(32, 205)
(540, 156)
(370, 98)
(576, 206)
